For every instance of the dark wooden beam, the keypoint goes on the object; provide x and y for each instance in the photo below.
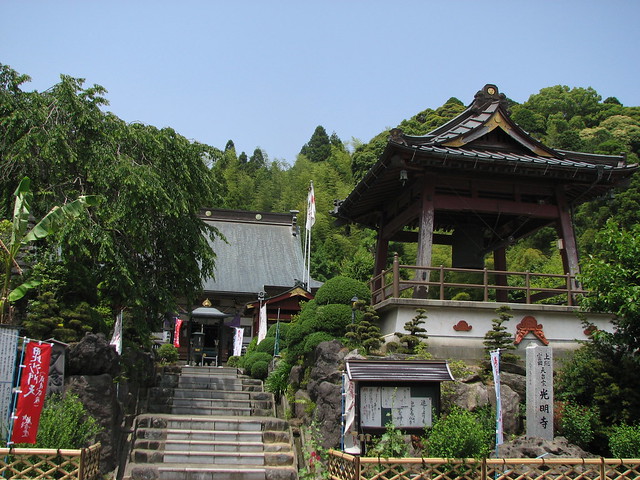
(491, 205)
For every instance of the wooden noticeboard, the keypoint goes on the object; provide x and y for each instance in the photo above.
(405, 406)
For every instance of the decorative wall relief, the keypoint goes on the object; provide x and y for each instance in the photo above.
(530, 325)
(462, 326)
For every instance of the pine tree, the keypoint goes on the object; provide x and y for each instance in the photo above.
(498, 337)
(318, 148)
(416, 333)
(364, 332)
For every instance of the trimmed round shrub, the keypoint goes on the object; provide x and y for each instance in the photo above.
(315, 339)
(624, 442)
(254, 357)
(284, 329)
(333, 318)
(295, 340)
(260, 370)
(266, 345)
(342, 290)
(167, 353)
(233, 361)
(460, 434)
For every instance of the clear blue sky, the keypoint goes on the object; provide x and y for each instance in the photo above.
(266, 73)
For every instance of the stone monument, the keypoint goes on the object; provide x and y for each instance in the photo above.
(539, 392)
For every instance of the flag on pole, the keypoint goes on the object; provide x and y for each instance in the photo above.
(311, 208)
(33, 387)
(495, 367)
(237, 341)
(262, 324)
(176, 332)
(116, 339)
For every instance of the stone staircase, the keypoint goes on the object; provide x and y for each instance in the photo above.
(210, 423)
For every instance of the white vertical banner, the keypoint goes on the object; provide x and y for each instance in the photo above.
(116, 339)
(262, 322)
(495, 367)
(8, 355)
(238, 336)
(311, 219)
(350, 442)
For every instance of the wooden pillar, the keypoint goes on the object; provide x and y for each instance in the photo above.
(569, 249)
(425, 233)
(382, 250)
(500, 263)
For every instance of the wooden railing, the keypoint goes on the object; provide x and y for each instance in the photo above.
(342, 466)
(444, 283)
(41, 463)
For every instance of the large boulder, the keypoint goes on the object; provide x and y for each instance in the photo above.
(533, 447)
(98, 395)
(93, 356)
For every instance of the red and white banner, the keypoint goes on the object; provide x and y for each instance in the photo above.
(33, 387)
(176, 333)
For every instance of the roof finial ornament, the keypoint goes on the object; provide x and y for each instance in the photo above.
(396, 135)
(488, 95)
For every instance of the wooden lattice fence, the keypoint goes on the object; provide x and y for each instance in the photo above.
(41, 463)
(342, 466)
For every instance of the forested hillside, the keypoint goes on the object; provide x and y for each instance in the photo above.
(142, 246)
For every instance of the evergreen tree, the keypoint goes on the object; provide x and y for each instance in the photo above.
(498, 337)
(364, 332)
(318, 148)
(416, 333)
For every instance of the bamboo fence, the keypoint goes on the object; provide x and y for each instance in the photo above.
(47, 463)
(342, 466)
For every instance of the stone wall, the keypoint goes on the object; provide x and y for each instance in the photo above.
(110, 393)
(318, 392)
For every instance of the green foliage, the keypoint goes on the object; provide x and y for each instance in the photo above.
(461, 434)
(603, 379)
(498, 337)
(315, 455)
(364, 333)
(64, 423)
(260, 369)
(415, 333)
(341, 290)
(318, 149)
(315, 339)
(152, 181)
(167, 354)
(391, 444)
(233, 361)
(251, 358)
(578, 424)
(624, 441)
(333, 318)
(278, 380)
(20, 234)
(612, 275)
(266, 345)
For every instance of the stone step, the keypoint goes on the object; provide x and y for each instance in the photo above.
(211, 411)
(241, 404)
(202, 422)
(168, 471)
(199, 435)
(173, 445)
(211, 371)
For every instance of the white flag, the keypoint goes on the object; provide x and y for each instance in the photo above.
(262, 324)
(237, 341)
(116, 339)
(311, 208)
(495, 367)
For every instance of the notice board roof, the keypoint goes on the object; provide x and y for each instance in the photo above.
(398, 370)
